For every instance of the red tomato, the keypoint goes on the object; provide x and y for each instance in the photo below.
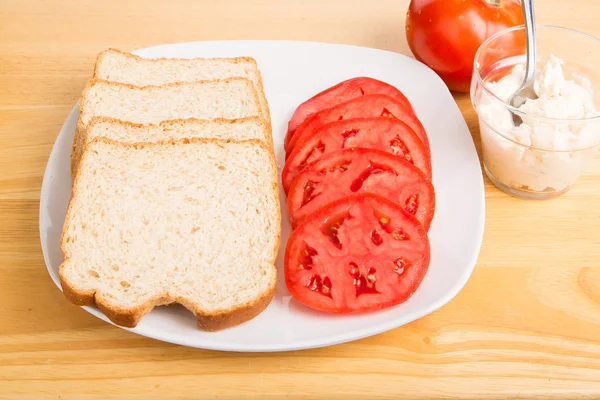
(361, 253)
(352, 171)
(445, 34)
(380, 133)
(372, 105)
(343, 91)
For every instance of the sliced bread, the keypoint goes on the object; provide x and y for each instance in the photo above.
(118, 66)
(195, 222)
(127, 132)
(226, 98)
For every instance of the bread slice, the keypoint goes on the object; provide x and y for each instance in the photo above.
(118, 66)
(227, 98)
(127, 132)
(195, 222)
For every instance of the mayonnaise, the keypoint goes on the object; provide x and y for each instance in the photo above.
(542, 154)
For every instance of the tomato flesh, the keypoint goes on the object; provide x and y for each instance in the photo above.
(375, 105)
(343, 91)
(381, 133)
(358, 170)
(361, 253)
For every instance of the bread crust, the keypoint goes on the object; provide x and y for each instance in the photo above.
(263, 99)
(81, 127)
(104, 53)
(209, 321)
(236, 60)
(130, 318)
(94, 81)
(244, 313)
(99, 119)
(75, 147)
(168, 123)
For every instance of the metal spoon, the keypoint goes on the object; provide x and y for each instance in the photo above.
(526, 91)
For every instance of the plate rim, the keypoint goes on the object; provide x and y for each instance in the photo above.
(297, 344)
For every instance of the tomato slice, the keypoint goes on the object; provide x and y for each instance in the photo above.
(373, 105)
(381, 133)
(357, 170)
(361, 253)
(343, 91)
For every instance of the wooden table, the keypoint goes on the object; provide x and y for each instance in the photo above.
(526, 325)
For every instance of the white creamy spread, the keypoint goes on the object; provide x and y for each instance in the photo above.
(550, 157)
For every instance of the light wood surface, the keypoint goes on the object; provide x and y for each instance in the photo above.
(527, 324)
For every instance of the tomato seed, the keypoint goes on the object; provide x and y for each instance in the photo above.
(347, 134)
(343, 167)
(399, 234)
(387, 113)
(412, 204)
(376, 238)
(310, 251)
(309, 188)
(400, 265)
(315, 283)
(326, 289)
(314, 154)
(354, 271)
(364, 287)
(361, 283)
(306, 259)
(385, 225)
(331, 229)
(399, 148)
(320, 285)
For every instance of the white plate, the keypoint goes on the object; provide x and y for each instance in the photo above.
(292, 72)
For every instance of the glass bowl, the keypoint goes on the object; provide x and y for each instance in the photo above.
(560, 132)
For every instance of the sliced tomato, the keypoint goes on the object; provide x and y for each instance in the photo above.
(357, 170)
(343, 91)
(361, 253)
(373, 105)
(381, 133)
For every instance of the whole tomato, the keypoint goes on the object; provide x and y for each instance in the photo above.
(445, 34)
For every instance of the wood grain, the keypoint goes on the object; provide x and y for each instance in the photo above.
(527, 324)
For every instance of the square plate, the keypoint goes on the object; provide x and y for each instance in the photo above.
(292, 72)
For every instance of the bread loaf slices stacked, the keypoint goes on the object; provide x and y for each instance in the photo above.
(175, 196)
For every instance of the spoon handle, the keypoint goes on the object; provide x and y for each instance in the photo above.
(529, 17)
